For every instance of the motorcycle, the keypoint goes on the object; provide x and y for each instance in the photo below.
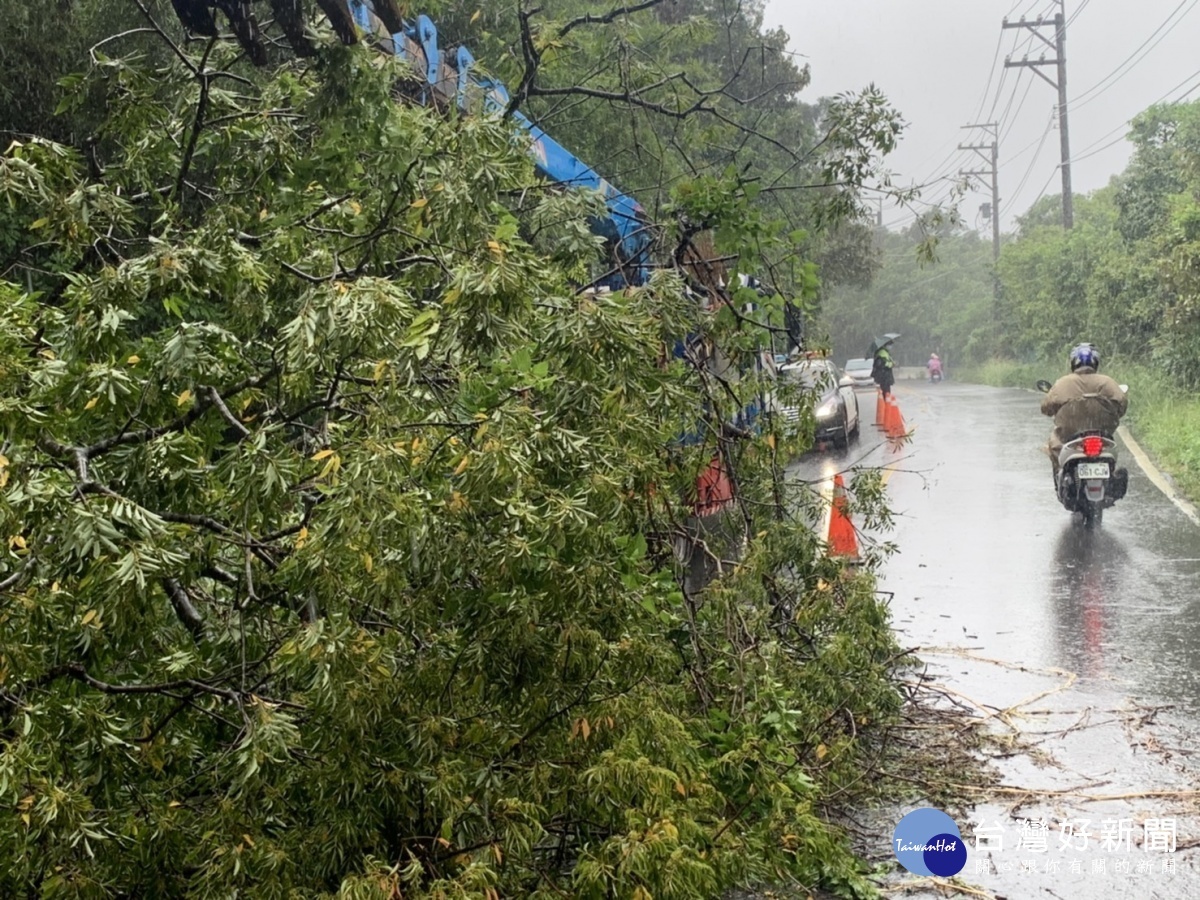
(935, 375)
(1088, 480)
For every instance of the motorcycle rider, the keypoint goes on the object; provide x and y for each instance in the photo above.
(934, 366)
(1085, 400)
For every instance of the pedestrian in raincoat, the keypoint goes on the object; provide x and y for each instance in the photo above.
(1085, 400)
(881, 370)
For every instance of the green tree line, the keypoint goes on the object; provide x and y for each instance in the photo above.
(944, 305)
(1126, 277)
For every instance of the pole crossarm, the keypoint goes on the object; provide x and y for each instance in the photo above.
(1034, 65)
(989, 153)
(1033, 26)
(982, 150)
(1059, 45)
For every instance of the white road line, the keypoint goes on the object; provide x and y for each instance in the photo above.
(1156, 476)
(827, 507)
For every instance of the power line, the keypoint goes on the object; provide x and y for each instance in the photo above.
(1045, 187)
(1019, 45)
(946, 190)
(990, 157)
(1041, 141)
(1186, 93)
(935, 202)
(992, 71)
(1116, 74)
(1009, 116)
(1032, 164)
(999, 90)
(947, 165)
(955, 159)
(1085, 154)
(1032, 6)
(1020, 106)
(911, 216)
(1111, 143)
(943, 172)
(1011, 97)
(1075, 15)
(1018, 154)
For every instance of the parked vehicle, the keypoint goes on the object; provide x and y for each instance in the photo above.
(1088, 480)
(859, 371)
(836, 407)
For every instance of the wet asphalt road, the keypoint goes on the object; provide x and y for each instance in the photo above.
(1081, 645)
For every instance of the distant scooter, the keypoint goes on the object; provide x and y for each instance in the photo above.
(1088, 478)
(934, 367)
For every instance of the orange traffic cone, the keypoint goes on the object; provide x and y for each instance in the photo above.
(894, 422)
(713, 488)
(843, 540)
(880, 409)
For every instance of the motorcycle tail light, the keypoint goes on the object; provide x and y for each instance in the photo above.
(1093, 445)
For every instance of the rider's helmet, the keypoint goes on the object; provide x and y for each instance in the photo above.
(1085, 355)
(933, 356)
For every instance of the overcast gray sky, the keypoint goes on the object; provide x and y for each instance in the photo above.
(935, 58)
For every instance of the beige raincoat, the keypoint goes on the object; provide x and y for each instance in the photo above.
(1085, 400)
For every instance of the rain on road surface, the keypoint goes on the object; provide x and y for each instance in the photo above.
(1084, 644)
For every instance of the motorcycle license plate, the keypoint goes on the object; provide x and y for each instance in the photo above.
(1084, 471)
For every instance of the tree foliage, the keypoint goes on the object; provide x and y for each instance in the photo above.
(340, 531)
(1124, 276)
(943, 306)
(696, 89)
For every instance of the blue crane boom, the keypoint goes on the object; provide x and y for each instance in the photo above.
(454, 78)
(451, 79)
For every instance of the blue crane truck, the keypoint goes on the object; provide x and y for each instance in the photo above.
(449, 78)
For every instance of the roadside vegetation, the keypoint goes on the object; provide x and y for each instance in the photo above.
(340, 526)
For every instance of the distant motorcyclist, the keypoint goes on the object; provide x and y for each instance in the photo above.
(1085, 400)
(881, 370)
(934, 366)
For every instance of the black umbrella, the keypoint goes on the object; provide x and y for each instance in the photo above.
(880, 342)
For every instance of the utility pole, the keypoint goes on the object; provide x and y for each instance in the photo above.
(1059, 46)
(990, 155)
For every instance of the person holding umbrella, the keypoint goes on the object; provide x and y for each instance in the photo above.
(881, 369)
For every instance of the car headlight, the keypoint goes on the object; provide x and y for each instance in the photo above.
(827, 409)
